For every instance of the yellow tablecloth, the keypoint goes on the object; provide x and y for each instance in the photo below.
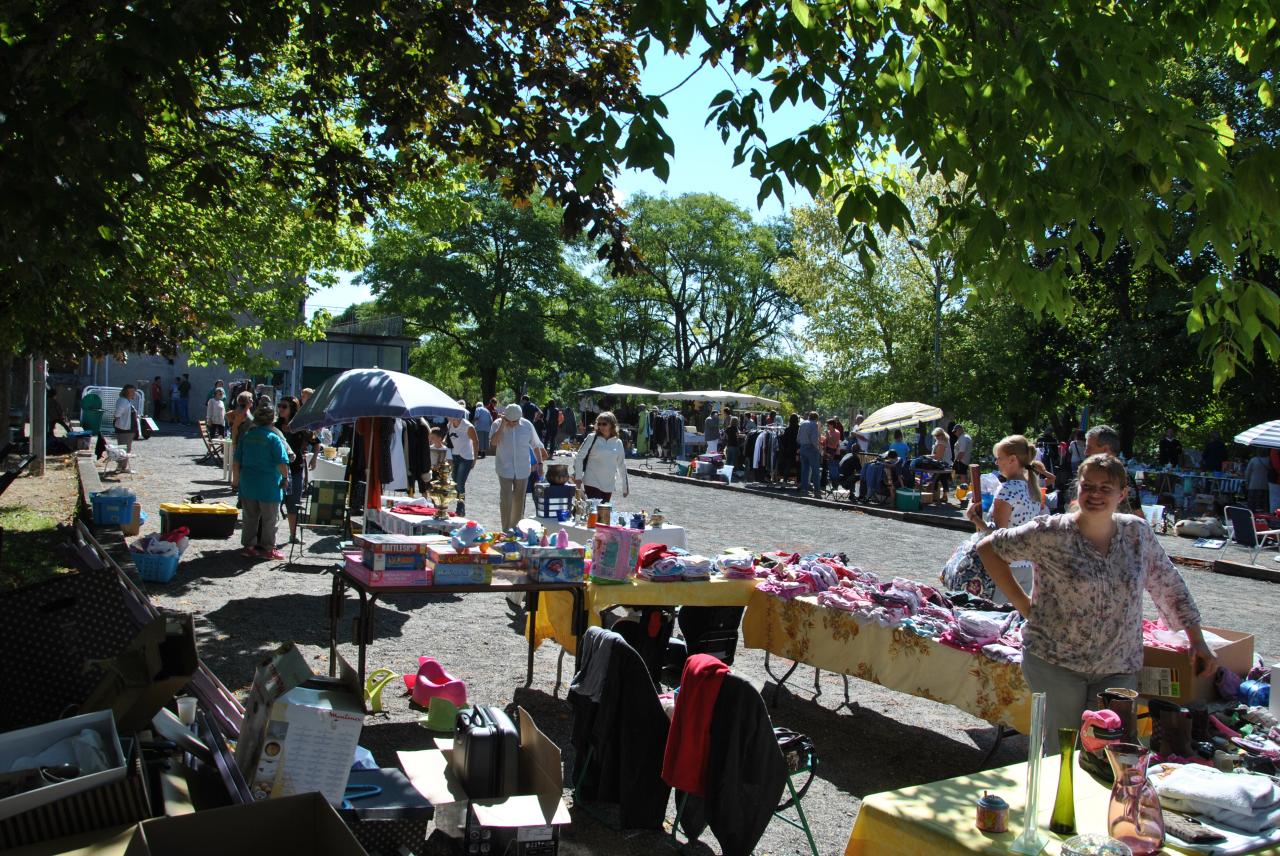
(897, 658)
(555, 609)
(938, 818)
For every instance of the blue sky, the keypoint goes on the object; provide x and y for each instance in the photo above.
(702, 163)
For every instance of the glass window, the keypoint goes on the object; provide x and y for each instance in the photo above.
(366, 356)
(340, 356)
(389, 357)
(315, 354)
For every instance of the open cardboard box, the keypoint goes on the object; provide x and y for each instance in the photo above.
(36, 739)
(300, 824)
(1171, 675)
(530, 820)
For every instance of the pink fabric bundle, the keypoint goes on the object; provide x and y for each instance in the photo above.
(1091, 719)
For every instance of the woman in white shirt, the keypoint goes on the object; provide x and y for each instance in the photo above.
(122, 421)
(465, 444)
(600, 467)
(215, 414)
(942, 454)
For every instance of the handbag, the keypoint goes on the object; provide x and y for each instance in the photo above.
(799, 753)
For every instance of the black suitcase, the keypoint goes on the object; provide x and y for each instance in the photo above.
(485, 744)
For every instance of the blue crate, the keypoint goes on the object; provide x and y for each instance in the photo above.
(112, 510)
(155, 568)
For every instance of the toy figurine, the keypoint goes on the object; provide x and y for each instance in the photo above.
(467, 536)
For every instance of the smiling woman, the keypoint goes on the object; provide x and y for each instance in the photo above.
(1084, 618)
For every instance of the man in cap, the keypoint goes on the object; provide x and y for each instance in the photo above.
(513, 440)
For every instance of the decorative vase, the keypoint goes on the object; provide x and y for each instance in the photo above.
(1063, 821)
(1134, 813)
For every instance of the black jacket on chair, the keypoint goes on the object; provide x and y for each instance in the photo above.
(627, 729)
(746, 773)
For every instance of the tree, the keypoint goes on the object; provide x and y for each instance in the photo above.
(491, 279)
(708, 270)
(1056, 117)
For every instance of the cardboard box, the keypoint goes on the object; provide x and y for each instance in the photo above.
(527, 824)
(445, 554)
(393, 552)
(356, 567)
(554, 564)
(300, 824)
(146, 676)
(134, 526)
(460, 575)
(300, 730)
(1171, 675)
(30, 742)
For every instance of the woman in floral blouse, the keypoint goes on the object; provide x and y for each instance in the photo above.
(1084, 627)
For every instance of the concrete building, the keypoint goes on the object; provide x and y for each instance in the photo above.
(379, 342)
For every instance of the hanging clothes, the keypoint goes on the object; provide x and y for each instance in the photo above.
(642, 432)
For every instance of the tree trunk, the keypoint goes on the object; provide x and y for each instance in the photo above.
(488, 383)
(8, 352)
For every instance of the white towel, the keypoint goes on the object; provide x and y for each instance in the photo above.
(1259, 821)
(1242, 793)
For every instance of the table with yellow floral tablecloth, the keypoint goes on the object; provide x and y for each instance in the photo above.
(802, 630)
(555, 615)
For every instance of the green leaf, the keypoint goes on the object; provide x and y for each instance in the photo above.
(802, 13)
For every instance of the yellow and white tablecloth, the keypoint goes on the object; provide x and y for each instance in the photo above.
(896, 658)
(555, 609)
(938, 818)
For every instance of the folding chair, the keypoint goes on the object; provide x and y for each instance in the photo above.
(212, 446)
(1246, 534)
(324, 507)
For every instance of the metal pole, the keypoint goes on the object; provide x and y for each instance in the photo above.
(39, 400)
(937, 331)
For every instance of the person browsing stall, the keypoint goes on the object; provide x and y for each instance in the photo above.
(809, 446)
(124, 422)
(482, 420)
(1084, 624)
(297, 443)
(262, 461)
(465, 444)
(512, 438)
(600, 467)
(215, 414)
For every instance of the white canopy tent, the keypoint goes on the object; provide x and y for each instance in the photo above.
(619, 389)
(1267, 434)
(740, 399)
(899, 415)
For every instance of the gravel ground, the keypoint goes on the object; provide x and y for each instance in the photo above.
(885, 740)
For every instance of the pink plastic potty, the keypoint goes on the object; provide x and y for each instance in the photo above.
(432, 681)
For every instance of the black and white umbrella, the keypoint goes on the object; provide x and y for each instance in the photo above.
(1267, 434)
(358, 393)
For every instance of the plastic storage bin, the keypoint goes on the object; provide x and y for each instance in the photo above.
(907, 500)
(112, 509)
(210, 520)
(154, 568)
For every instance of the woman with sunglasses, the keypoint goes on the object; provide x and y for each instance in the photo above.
(298, 442)
(600, 467)
(1084, 616)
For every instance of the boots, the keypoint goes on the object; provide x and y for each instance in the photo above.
(1122, 701)
(1170, 729)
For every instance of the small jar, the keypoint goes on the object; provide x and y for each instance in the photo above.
(993, 814)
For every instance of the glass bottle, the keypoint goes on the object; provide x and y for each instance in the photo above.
(1063, 821)
(1134, 813)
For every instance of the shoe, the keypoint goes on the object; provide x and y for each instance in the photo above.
(275, 554)
(250, 552)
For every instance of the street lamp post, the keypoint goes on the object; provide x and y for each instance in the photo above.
(917, 246)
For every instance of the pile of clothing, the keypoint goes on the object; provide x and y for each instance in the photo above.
(664, 564)
(735, 566)
(173, 543)
(1249, 802)
(957, 620)
(421, 506)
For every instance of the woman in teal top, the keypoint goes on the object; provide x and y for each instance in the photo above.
(263, 462)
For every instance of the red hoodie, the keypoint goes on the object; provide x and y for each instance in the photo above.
(689, 742)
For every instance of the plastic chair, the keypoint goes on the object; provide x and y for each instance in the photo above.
(1244, 533)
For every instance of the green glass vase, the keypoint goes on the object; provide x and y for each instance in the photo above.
(1063, 821)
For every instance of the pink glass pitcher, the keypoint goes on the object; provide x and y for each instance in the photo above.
(1134, 813)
